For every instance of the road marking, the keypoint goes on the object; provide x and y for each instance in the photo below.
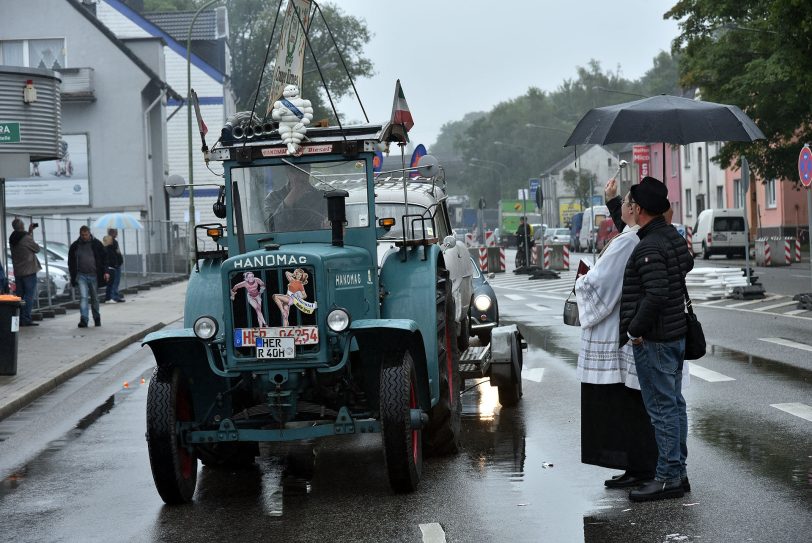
(533, 374)
(798, 409)
(538, 307)
(514, 297)
(550, 296)
(795, 312)
(782, 304)
(751, 302)
(787, 343)
(432, 533)
(708, 375)
(711, 302)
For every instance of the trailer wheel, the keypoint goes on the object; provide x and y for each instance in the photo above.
(402, 444)
(443, 432)
(464, 338)
(174, 467)
(509, 395)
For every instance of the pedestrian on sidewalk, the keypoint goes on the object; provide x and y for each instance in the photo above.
(652, 318)
(86, 263)
(114, 262)
(26, 265)
(615, 429)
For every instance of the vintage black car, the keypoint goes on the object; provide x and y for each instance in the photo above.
(484, 310)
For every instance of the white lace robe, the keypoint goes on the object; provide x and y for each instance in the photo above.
(598, 293)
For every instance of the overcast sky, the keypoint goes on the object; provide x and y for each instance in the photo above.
(457, 56)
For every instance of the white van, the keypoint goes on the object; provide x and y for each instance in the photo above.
(589, 227)
(720, 231)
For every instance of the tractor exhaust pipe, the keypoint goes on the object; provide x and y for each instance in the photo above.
(337, 214)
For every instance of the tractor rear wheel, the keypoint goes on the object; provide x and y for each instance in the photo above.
(174, 467)
(443, 432)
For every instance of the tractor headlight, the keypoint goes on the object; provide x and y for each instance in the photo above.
(482, 302)
(205, 327)
(338, 320)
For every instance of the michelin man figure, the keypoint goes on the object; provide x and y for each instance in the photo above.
(293, 114)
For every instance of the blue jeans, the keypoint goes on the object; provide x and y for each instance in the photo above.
(112, 292)
(659, 370)
(87, 289)
(27, 290)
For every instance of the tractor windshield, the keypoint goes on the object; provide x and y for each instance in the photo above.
(289, 197)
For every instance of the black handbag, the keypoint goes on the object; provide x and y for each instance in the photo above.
(571, 311)
(695, 345)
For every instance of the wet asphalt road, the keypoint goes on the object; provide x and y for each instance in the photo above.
(74, 465)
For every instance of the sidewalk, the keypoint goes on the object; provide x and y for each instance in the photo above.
(56, 350)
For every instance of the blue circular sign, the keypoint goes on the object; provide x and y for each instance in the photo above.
(805, 166)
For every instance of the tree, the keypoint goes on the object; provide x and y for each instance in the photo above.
(250, 25)
(756, 54)
(580, 184)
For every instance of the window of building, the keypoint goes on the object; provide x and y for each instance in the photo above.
(769, 189)
(720, 197)
(737, 193)
(674, 160)
(686, 155)
(48, 54)
(688, 203)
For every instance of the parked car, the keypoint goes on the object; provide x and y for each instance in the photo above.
(606, 231)
(58, 273)
(589, 229)
(557, 235)
(720, 231)
(484, 310)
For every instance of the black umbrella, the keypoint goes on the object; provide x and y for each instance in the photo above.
(663, 118)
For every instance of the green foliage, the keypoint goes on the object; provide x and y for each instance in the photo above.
(580, 184)
(531, 129)
(756, 54)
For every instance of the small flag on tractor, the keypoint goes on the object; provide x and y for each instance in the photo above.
(400, 109)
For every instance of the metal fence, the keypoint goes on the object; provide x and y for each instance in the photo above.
(155, 253)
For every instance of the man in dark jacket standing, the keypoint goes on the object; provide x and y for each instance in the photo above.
(86, 263)
(114, 262)
(26, 265)
(652, 317)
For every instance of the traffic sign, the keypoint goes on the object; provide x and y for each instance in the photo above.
(805, 165)
(9, 132)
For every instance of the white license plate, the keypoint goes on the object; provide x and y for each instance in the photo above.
(302, 335)
(275, 347)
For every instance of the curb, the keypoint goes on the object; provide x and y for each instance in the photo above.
(75, 369)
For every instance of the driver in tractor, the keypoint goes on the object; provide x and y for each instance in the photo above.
(298, 205)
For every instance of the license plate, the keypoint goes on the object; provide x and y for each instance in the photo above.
(275, 347)
(302, 335)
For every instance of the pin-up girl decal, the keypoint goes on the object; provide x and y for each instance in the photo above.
(253, 290)
(295, 296)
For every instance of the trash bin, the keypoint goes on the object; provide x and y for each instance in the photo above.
(9, 330)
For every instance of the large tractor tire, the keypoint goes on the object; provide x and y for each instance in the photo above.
(174, 467)
(443, 432)
(402, 444)
(509, 395)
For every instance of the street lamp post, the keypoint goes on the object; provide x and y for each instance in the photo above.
(191, 232)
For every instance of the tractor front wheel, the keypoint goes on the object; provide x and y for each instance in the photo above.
(174, 467)
(402, 444)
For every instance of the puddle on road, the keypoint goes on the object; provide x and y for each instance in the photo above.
(764, 365)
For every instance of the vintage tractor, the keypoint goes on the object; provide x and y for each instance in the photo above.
(293, 327)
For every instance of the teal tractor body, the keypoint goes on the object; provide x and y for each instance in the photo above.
(294, 330)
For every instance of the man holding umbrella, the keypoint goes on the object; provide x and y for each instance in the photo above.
(652, 318)
(86, 263)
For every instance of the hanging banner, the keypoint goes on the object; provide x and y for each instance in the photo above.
(290, 55)
(419, 152)
(641, 155)
(62, 182)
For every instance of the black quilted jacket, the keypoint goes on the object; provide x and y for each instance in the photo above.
(652, 304)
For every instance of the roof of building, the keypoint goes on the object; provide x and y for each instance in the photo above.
(176, 24)
(154, 77)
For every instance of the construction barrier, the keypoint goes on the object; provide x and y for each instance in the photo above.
(797, 250)
(490, 239)
(689, 238)
(787, 252)
(496, 259)
(483, 259)
(469, 240)
(766, 248)
(534, 258)
(548, 251)
(554, 256)
(566, 257)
